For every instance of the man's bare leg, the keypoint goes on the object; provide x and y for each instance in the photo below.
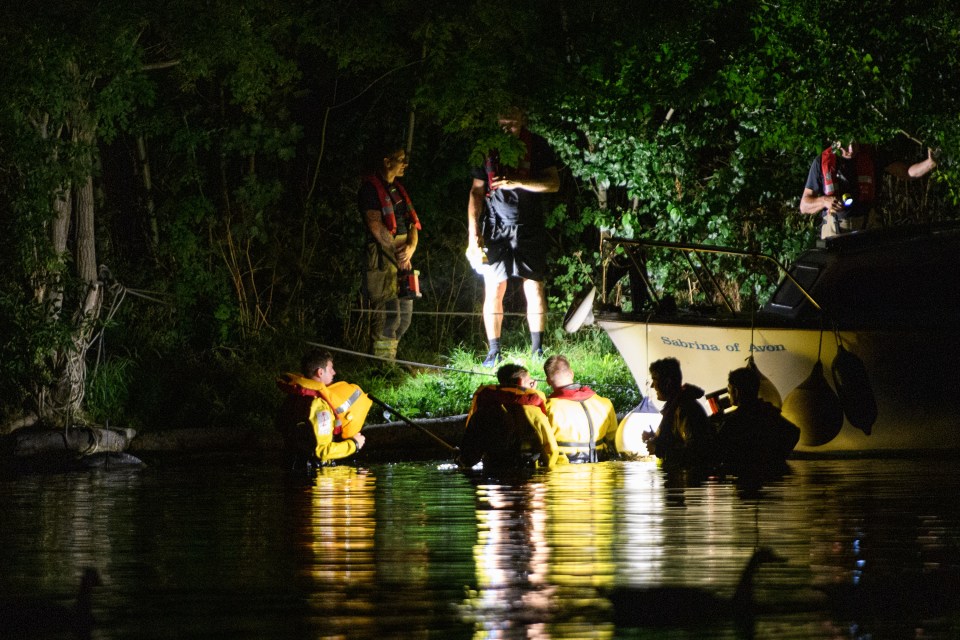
(493, 318)
(536, 314)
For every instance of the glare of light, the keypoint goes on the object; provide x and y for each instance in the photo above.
(646, 417)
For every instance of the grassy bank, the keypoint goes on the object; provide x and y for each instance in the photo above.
(430, 392)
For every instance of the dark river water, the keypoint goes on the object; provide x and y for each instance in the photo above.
(228, 547)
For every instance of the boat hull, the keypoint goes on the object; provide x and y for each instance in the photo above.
(913, 374)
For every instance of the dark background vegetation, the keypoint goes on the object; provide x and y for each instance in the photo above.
(178, 178)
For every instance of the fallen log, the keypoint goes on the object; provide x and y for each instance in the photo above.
(30, 441)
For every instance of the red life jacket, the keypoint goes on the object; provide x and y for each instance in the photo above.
(492, 164)
(863, 164)
(386, 203)
(510, 395)
(579, 394)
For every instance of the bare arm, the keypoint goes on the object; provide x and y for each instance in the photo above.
(549, 183)
(406, 250)
(474, 209)
(379, 231)
(812, 204)
(911, 172)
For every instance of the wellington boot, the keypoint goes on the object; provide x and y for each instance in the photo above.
(385, 347)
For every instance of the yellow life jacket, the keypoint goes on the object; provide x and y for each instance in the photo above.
(349, 402)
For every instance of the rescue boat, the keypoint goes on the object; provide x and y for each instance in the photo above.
(858, 342)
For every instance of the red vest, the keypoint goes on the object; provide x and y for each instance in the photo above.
(866, 175)
(386, 203)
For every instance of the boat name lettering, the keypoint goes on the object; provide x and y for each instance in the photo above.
(734, 346)
(700, 346)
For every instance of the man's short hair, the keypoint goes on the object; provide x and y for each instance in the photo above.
(313, 360)
(746, 381)
(509, 374)
(556, 365)
(667, 367)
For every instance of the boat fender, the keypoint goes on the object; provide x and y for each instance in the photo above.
(581, 311)
(815, 408)
(768, 390)
(853, 387)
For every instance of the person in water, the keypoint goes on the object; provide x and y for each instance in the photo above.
(584, 423)
(685, 437)
(307, 420)
(507, 427)
(754, 437)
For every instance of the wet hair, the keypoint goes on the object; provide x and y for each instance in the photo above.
(556, 364)
(745, 381)
(667, 367)
(509, 374)
(313, 360)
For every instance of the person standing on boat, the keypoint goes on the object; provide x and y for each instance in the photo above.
(505, 219)
(754, 437)
(507, 427)
(685, 437)
(843, 183)
(584, 423)
(307, 419)
(392, 236)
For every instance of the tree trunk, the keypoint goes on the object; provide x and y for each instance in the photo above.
(154, 230)
(64, 404)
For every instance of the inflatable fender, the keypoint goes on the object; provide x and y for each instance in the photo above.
(581, 311)
(815, 408)
(853, 387)
(629, 436)
(768, 390)
(351, 405)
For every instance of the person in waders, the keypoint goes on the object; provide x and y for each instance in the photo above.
(507, 427)
(584, 423)
(390, 282)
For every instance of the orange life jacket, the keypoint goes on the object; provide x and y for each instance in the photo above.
(349, 403)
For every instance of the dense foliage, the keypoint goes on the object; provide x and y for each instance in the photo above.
(206, 155)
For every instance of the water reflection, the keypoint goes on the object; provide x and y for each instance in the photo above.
(210, 547)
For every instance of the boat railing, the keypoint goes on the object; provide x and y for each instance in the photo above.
(609, 244)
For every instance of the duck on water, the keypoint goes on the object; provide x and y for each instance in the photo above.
(676, 606)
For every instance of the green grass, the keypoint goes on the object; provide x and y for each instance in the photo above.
(430, 393)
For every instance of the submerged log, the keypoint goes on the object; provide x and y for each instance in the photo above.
(80, 440)
(386, 441)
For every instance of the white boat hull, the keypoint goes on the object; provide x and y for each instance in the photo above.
(914, 375)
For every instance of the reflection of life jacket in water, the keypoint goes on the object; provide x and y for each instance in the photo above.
(348, 403)
(863, 165)
(388, 206)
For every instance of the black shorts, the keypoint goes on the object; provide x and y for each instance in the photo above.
(514, 252)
